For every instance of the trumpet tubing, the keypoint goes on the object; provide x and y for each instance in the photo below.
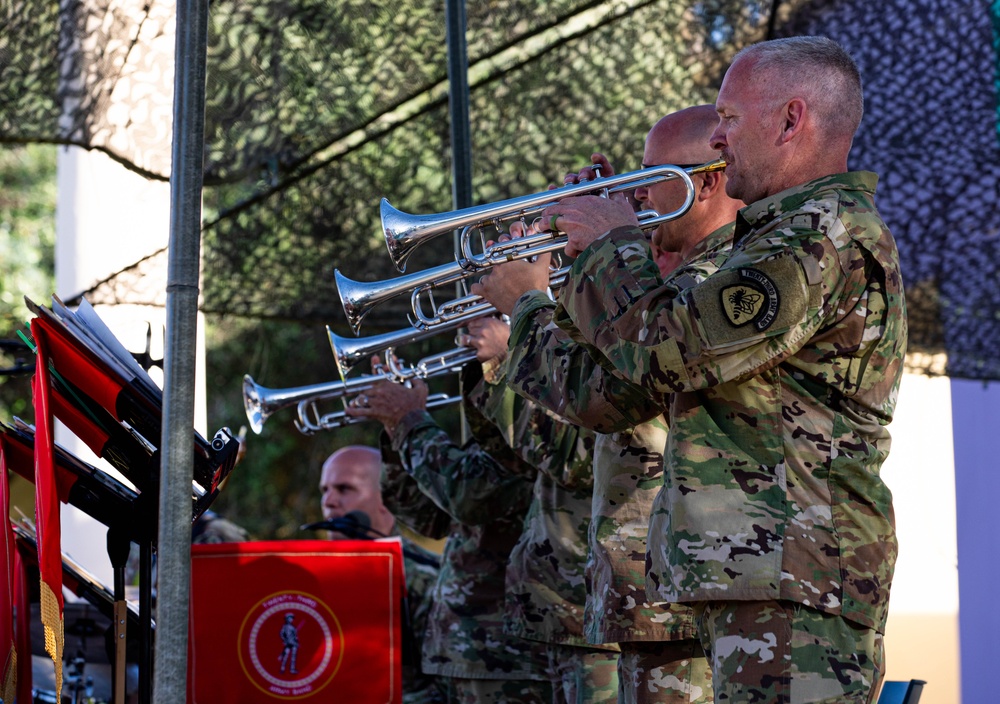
(260, 402)
(404, 232)
(338, 419)
(348, 351)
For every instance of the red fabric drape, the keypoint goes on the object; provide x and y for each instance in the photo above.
(47, 524)
(8, 550)
(296, 621)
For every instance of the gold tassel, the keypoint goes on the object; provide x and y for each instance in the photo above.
(52, 620)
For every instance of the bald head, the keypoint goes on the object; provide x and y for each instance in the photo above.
(686, 135)
(350, 481)
(683, 137)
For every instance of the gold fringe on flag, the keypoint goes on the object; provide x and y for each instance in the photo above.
(55, 636)
(8, 685)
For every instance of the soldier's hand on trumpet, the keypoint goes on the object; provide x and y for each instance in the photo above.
(600, 166)
(507, 282)
(583, 219)
(488, 336)
(388, 401)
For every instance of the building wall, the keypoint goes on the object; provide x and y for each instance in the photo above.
(106, 219)
(921, 640)
(976, 429)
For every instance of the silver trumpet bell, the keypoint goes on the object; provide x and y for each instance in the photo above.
(348, 351)
(261, 402)
(404, 232)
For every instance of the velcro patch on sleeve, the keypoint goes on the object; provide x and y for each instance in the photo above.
(744, 303)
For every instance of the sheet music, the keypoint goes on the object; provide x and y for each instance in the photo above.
(87, 319)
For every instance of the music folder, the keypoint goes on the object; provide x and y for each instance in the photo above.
(111, 403)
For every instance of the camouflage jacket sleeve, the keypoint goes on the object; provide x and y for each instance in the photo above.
(540, 438)
(790, 281)
(567, 377)
(402, 496)
(464, 480)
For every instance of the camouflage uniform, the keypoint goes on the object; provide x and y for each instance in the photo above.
(546, 588)
(421, 567)
(563, 376)
(783, 370)
(212, 528)
(465, 638)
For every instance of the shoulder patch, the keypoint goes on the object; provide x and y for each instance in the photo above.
(753, 299)
(736, 305)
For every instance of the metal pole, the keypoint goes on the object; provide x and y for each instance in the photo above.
(458, 102)
(461, 140)
(177, 459)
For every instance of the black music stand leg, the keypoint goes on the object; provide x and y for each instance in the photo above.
(146, 620)
(118, 549)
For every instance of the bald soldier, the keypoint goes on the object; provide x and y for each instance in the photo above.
(350, 482)
(780, 373)
(661, 658)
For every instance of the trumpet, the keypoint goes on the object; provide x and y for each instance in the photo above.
(348, 351)
(260, 402)
(311, 420)
(404, 232)
(311, 424)
(358, 298)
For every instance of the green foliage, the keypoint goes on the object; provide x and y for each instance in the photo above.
(275, 488)
(27, 256)
(27, 229)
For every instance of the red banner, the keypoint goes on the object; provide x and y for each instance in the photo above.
(47, 523)
(8, 649)
(296, 621)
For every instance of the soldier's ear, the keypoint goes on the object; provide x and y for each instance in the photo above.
(711, 183)
(792, 116)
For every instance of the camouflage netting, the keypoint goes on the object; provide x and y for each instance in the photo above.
(317, 108)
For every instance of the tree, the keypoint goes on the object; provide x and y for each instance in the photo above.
(27, 257)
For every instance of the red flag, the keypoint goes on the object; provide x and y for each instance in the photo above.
(22, 601)
(8, 645)
(47, 524)
(295, 621)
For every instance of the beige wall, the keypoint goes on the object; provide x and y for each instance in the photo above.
(107, 218)
(921, 640)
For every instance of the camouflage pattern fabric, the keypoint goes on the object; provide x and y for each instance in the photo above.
(782, 371)
(667, 672)
(583, 676)
(783, 652)
(402, 496)
(465, 635)
(421, 567)
(462, 691)
(546, 582)
(559, 374)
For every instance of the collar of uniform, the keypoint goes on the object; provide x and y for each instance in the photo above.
(758, 214)
(719, 237)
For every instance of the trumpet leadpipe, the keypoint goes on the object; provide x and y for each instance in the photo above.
(404, 232)
(260, 402)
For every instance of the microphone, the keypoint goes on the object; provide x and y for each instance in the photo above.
(354, 524)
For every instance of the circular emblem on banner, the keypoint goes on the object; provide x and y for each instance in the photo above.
(290, 645)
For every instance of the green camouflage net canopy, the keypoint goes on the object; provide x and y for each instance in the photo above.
(319, 108)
